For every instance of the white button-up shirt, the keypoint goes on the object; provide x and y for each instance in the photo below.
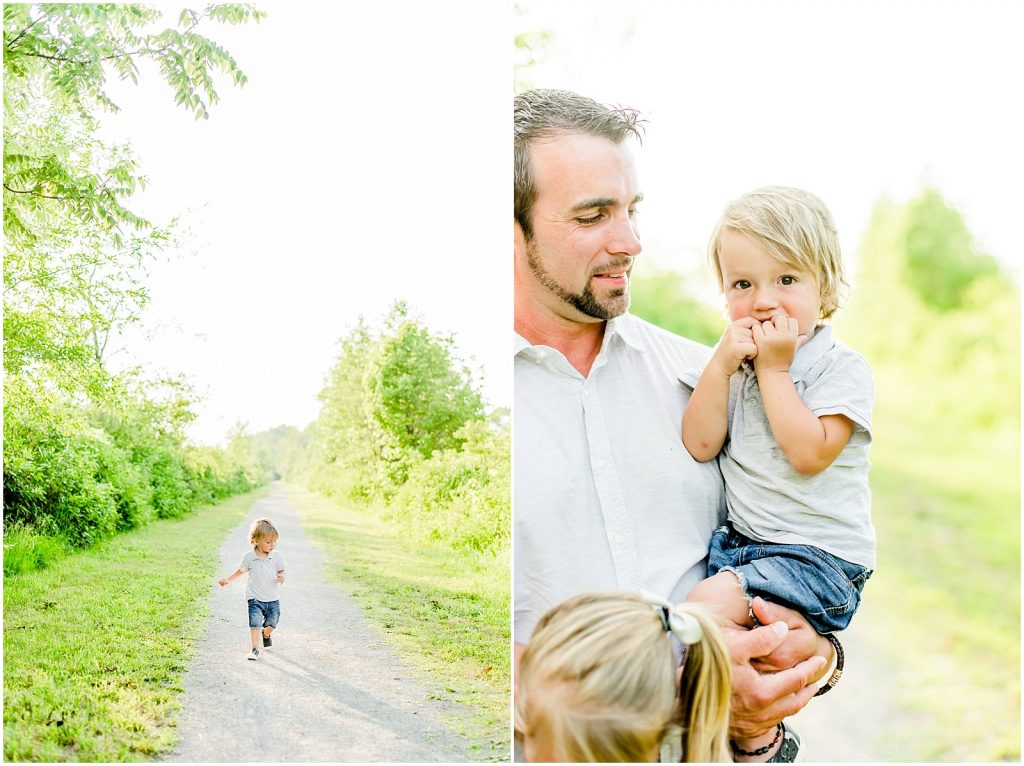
(605, 495)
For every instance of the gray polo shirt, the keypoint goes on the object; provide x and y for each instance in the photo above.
(767, 498)
(261, 582)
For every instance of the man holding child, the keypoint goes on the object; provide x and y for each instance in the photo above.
(606, 495)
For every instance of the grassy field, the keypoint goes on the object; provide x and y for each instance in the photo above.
(445, 611)
(947, 588)
(95, 645)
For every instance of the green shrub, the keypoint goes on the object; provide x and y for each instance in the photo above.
(129, 485)
(172, 497)
(461, 496)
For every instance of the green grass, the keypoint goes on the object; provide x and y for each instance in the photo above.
(95, 645)
(446, 612)
(25, 550)
(947, 589)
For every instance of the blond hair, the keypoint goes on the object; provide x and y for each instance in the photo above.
(597, 682)
(796, 228)
(262, 529)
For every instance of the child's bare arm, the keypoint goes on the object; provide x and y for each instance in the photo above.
(231, 577)
(809, 442)
(706, 418)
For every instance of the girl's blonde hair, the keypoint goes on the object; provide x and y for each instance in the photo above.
(597, 682)
(261, 529)
(796, 228)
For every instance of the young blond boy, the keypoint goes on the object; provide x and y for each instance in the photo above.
(264, 568)
(787, 411)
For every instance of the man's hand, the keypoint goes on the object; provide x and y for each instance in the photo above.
(801, 642)
(760, 701)
(776, 340)
(736, 344)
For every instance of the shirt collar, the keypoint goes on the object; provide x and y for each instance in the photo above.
(809, 353)
(624, 327)
(814, 349)
(621, 326)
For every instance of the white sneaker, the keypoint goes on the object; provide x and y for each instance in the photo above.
(253, 654)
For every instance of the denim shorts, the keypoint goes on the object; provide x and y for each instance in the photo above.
(824, 588)
(264, 614)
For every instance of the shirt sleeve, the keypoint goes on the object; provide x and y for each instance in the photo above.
(246, 563)
(280, 563)
(844, 388)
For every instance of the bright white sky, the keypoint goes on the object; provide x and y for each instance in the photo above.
(851, 100)
(366, 160)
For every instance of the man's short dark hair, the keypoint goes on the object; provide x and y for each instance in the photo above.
(545, 113)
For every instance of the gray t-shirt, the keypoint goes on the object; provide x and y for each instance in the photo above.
(261, 582)
(767, 498)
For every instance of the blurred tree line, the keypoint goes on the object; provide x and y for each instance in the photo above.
(926, 308)
(89, 452)
(402, 431)
(938, 320)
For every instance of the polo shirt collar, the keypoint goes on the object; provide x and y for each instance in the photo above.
(809, 353)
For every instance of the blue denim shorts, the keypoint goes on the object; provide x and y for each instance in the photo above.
(824, 588)
(264, 614)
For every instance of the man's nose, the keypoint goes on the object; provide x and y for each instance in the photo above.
(625, 237)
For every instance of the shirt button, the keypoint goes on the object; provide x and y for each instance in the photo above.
(619, 539)
(751, 401)
(601, 463)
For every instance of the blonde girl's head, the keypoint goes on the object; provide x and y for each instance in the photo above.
(597, 682)
(793, 226)
(262, 529)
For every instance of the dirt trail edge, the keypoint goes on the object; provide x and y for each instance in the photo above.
(855, 722)
(327, 690)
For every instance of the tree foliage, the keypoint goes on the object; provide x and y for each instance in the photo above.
(56, 62)
(402, 430)
(942, 261)
(939, 321)
(88, 453)
(662, 298)
(418, 394)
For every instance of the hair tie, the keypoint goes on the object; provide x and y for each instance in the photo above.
(680, 624)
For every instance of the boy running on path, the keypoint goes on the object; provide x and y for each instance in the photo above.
(264, 568)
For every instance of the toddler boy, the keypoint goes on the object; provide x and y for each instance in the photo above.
(264, 568)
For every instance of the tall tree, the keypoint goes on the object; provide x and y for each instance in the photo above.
(942, 260)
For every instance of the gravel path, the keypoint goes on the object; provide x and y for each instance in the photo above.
(327, 690)
(854, 723)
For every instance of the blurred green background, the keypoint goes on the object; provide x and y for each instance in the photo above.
(744, 94)
(939, 323)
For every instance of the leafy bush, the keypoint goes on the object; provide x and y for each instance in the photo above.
(172, 496)
(402, 434)
(461, 496)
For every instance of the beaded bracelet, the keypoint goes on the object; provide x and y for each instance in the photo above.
(760, 750)
(838, 672)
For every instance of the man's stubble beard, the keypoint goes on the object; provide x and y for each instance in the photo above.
(585, 302)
